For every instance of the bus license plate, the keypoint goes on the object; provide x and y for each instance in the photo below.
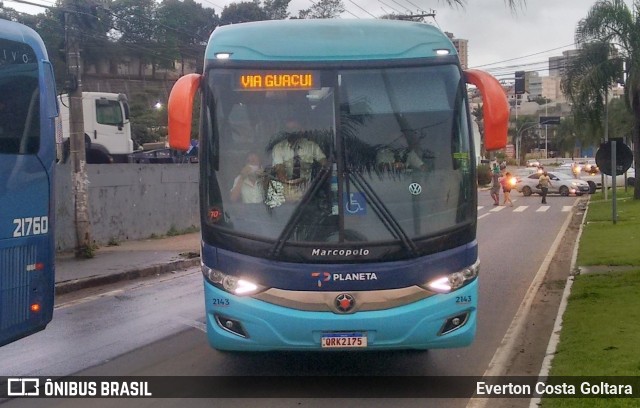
(343, 340)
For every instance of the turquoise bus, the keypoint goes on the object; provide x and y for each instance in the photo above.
(338, 186)
(28, 110)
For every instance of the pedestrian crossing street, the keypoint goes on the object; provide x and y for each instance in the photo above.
(483, 210)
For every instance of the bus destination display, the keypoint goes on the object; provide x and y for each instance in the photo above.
(277, 81)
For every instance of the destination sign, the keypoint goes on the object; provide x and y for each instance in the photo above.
(12, 53)
(277, 81)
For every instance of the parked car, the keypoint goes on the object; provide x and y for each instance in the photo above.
(561, 183)
(533, 163)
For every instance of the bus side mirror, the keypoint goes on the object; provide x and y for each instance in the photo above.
(495, 108)
(180, 107)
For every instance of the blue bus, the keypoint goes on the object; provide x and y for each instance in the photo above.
(338, 186)
(28, 110)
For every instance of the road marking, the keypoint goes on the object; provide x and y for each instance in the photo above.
(566, 208)
(498, 208)
(521, 208)
(482, 216)
(480, 207)
(543, 208)
(87, 299)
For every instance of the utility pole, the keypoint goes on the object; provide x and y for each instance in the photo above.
(79, 178)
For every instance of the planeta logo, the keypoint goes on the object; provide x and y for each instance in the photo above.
(338, 277)
(322, 277)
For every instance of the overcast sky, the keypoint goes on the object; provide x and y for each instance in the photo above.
(500, 41)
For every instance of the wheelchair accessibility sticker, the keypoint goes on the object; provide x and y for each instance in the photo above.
(355, 204)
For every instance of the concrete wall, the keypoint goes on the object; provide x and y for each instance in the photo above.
(129, 201)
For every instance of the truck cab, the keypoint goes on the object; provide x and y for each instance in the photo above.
(107, 128)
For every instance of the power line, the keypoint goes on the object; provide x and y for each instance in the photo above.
(362, 9)
(526, 56)
(28, 3)
(397, 11)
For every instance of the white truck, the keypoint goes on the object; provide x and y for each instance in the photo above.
(107, 129)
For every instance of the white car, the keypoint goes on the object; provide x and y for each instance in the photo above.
(561, 183)
(595, 180)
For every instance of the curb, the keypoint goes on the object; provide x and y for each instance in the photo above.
(78, 284)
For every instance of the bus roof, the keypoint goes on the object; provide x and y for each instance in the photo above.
(327, 40)
(21, 33)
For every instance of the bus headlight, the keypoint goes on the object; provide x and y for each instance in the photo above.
(455, 280)
(232, 284)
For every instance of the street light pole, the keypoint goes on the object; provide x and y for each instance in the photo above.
(546, 131)
(525, 127)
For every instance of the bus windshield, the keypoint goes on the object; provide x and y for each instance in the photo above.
(339, 157)
(19, 100)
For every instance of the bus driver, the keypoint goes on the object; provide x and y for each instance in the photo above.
(293, 159)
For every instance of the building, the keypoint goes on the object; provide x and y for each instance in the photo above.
(544, 87)
(557, 65)
(462, 47)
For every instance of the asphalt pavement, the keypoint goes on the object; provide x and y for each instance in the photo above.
(127, 260)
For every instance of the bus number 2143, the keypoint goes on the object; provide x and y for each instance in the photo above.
(30, 226)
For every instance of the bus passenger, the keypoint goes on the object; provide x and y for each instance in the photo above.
(247, 185)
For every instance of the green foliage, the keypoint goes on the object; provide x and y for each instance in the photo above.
(614, 22)
(276, 9)
(587, 81)
(323, 9)
(620, 119)
(86, 252)
(243, 12)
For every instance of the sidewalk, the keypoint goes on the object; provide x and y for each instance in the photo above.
(129, 260)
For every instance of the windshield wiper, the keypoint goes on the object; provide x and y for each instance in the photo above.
(381, 210)
(299, 210)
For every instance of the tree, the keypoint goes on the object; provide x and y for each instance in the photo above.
(323, 9)
(276, 9)
(135, 22)
(613, 22)
(620, 119)
(565, 140)
(243, 12)
(184, 27)
(586, 82)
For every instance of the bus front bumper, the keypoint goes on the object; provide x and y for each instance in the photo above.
(247, 324)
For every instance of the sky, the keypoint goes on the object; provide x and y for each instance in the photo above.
(501, 41)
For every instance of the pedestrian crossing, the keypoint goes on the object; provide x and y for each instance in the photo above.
(521, 208)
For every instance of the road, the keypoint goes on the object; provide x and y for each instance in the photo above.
(156, 326)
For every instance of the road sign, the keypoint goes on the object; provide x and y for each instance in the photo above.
(549, 120)
(624, 157)
(519, 85)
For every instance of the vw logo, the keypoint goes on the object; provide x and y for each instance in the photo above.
(345, 302)
(415, 188)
